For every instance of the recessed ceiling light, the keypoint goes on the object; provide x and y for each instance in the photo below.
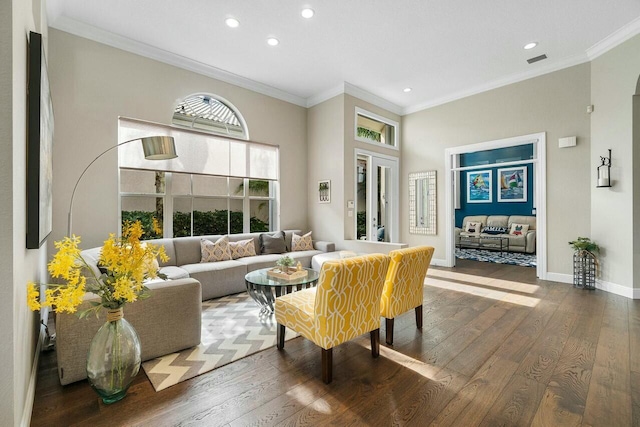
(272, 41)
(406, 89)
(307, 13)
(530, 45)
(232, 22)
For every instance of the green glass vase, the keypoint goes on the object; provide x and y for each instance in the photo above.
(114, 358)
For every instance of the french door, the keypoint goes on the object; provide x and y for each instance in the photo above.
(377, 187)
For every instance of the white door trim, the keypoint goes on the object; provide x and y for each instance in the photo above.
(394, 233)
(539, 141)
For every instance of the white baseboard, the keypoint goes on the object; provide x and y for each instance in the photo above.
(559, 277)
(31, 391)
(614, 288)
(439, 262)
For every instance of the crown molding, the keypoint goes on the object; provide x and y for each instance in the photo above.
(614, 39)
(105, 37)
(325, 95)
(362, 94)
(349, 89)
(80, 29)
(515, 78)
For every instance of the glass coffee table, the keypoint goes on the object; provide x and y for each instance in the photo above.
(264, 289)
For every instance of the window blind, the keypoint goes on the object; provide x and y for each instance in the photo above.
(198, 152)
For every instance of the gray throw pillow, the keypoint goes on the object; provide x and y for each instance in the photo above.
(273, 243)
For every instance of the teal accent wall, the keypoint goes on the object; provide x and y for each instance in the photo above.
(523, 152)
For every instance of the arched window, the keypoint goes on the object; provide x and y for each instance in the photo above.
(196, 195)
(210, 113)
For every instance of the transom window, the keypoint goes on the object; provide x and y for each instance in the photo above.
(375, 129)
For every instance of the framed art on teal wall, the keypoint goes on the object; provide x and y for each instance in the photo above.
(479, 186)
(512, 184)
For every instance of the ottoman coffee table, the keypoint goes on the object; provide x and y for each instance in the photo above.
(264, 289)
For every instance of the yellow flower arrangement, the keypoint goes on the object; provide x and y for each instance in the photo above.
(125, 261)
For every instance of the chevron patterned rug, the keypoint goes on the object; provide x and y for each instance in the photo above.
(232, 328)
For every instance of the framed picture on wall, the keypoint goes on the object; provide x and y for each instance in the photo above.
(480, 186)
(39, 147)
(512, 184)
(324, 191)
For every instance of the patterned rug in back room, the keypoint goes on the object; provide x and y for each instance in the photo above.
(232, 328)
(513, 258)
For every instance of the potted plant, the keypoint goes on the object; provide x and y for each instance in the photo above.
(585, 244)
(284, 263)
(584, 262)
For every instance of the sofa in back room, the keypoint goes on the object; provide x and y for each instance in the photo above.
(519, 229)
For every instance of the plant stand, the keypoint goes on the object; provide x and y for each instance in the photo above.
(584, 270)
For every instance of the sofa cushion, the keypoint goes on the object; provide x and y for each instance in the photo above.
(497, 221)
(519, 229)
(494, 230)
(473, 227)
(218, 278)
(242, 248)
(523, 219)
(272, 243)
(301, 243)
(188, 248)
(515, 240)
(259, 261)
(304, 257)
(213, 252)
(173, 273)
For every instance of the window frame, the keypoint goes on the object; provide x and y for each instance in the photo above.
(373, 116)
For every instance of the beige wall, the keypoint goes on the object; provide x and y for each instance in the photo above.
(325, 123)
(350, 144)
(615, 220)
(92, 84)
(19, 326)
(332, 143)
(554, 103)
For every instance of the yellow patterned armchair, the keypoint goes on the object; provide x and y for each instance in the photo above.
(344, 305)
(404, 285)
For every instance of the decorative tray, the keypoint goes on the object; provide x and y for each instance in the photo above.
(291, 274)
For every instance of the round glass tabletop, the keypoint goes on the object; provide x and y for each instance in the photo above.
(259, 277)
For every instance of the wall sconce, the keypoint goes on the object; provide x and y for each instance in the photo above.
(604, 171)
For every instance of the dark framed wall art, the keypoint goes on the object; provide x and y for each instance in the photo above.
(39, 146)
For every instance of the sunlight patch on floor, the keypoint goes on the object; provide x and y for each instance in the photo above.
(307, 397)
(481, 280)
(417, 366)
(483, 292)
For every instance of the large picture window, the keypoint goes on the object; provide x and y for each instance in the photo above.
(216, 185)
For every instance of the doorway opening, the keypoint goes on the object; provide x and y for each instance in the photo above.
(489, 179)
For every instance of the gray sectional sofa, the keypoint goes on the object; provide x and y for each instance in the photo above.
(169, 320)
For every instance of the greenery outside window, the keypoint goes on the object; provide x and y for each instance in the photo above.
(195, 205)
(375, 129)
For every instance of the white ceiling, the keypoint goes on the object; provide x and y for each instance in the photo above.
(442, 49)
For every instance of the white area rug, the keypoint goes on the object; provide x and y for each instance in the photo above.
(232, 328)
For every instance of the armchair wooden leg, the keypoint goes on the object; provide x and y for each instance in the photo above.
(327, 365)
(389, 328)
(280, 336)
(375, 342)
(419, 316)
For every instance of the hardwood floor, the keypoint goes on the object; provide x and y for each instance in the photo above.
(497, 348)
